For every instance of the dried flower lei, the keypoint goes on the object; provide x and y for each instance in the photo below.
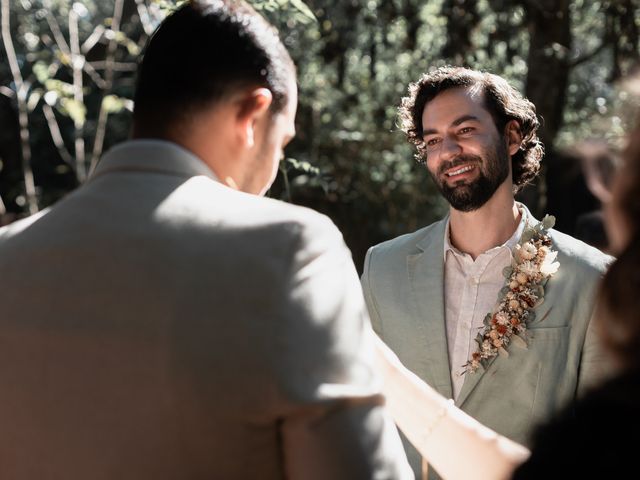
(533, 264)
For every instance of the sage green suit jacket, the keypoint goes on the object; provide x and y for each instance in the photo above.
(404, 289)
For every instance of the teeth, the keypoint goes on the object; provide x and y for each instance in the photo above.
(459, 171)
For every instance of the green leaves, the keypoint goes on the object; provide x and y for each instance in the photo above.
(548, 221)
(116, 104)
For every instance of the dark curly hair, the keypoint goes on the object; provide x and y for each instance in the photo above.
(503, 102)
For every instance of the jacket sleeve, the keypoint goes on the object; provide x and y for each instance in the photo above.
(596, 364)
(333, 420)
(376, 321)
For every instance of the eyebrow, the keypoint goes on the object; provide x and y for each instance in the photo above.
(455, 123)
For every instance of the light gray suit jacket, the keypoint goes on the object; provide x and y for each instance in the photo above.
(158, 325)
(404, 289)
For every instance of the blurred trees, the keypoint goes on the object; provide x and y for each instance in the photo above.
(355, 59)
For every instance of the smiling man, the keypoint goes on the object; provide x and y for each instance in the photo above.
(439, 296)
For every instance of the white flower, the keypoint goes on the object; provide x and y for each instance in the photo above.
(528, 251)
(530, 269)
(549, 266)
(502, 318)
(543, 251)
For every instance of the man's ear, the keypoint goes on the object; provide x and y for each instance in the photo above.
(253, 106)
(513, 135)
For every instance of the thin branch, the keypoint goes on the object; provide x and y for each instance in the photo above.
(143, 14)
(56, 136)
(94, 38)
(23, 115)
(95, 76)
(77, 64)
(101, 127)
(57, 34)
(588, 56)
(116, 66)
(6, 91)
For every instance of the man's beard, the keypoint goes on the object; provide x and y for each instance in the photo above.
(467, 197)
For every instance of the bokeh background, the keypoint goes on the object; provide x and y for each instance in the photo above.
(67, 73)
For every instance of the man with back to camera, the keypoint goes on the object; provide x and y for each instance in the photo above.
(509, 350)
(164, 321)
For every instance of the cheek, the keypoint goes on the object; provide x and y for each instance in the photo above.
(431, 165)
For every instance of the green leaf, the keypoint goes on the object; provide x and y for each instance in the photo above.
(74, 109)
(114, 104)
(507, 271)
(304, 9)
(548, 221)
(41, 71)
(527, 235)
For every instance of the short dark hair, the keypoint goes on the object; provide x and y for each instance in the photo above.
(503, 102)
(201, 53)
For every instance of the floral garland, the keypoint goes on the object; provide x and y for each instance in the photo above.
(533, 264)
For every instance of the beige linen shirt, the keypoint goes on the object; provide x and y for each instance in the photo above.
(471, 291)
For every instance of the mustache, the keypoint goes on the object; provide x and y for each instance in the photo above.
(456, 162)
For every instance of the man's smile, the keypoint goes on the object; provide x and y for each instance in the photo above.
(459, 170)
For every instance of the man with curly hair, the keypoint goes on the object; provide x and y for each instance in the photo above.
(431, 293)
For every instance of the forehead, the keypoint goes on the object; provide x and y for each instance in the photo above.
(446, 107)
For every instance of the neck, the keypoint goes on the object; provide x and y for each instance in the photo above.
(489, 226)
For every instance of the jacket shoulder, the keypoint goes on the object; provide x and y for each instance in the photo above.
(581, 257)
(411, 242)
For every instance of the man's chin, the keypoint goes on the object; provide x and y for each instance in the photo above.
(463, 199)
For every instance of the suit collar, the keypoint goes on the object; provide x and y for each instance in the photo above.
(525, 218)
(152, 156)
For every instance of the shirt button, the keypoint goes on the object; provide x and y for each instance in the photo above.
(475, 280)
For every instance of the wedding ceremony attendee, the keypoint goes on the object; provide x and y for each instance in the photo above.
(489, 306)
(164, 320)
(593, 437)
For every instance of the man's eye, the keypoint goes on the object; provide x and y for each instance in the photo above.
(431, 142)
(466, 130)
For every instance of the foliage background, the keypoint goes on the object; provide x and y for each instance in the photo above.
(70, 99)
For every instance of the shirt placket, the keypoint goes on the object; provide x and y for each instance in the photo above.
(466, 330)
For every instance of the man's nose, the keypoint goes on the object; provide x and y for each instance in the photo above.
(450, 148)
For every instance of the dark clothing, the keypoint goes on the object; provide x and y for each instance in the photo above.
(595, 438)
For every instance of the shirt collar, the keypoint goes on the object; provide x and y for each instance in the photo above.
(510, 244)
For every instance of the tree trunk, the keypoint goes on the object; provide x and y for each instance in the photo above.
(549, 25)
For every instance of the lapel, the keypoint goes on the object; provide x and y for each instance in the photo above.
(426, 273)
(472, 379)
